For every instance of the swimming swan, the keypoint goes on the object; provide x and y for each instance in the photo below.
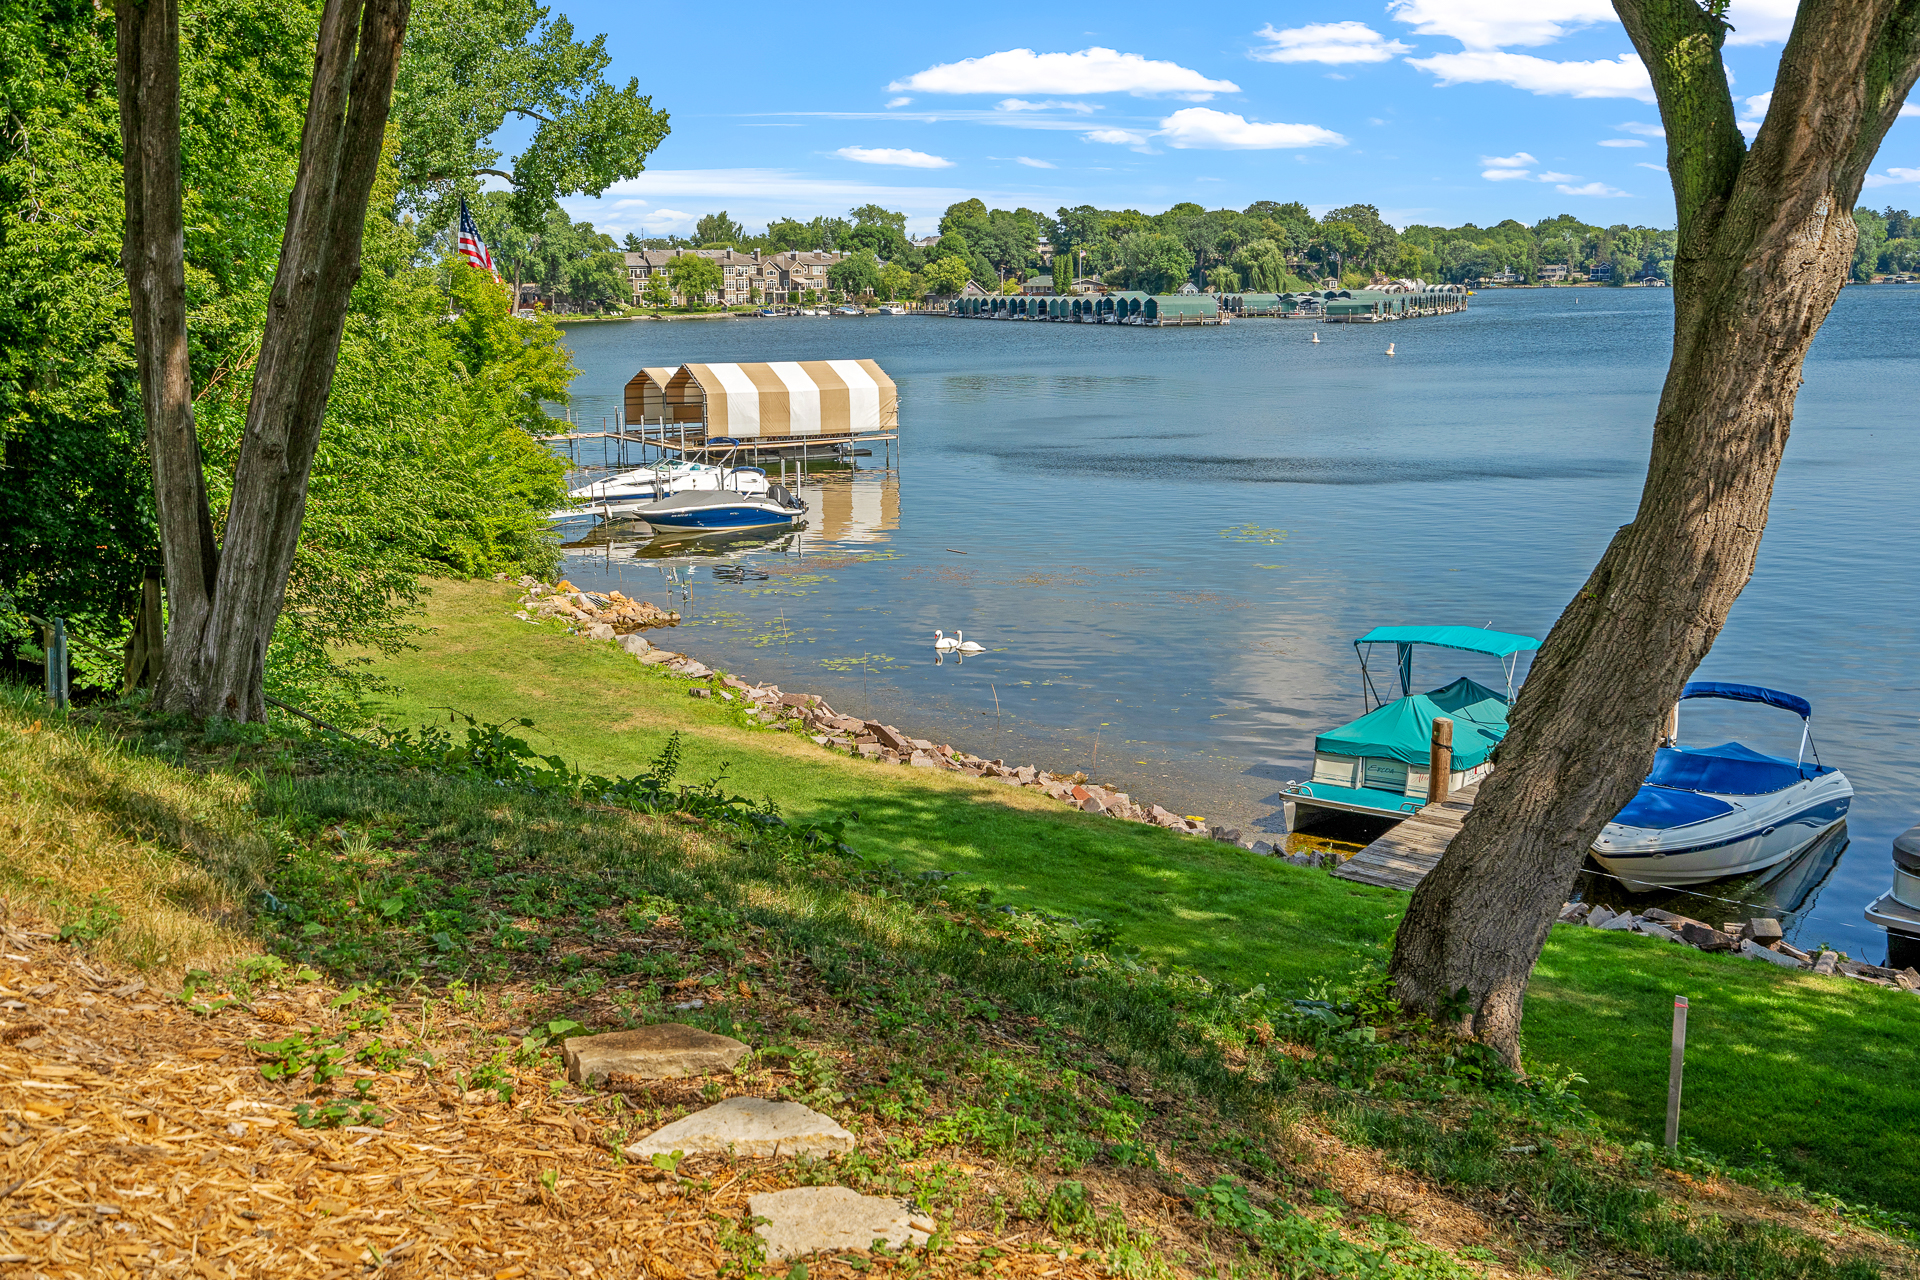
(943, 642)
(968, 646)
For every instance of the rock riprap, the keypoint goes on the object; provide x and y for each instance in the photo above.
(749, 1127)
(811, 1219)
(663, 1051)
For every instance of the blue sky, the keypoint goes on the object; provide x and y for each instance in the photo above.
(1438, 111)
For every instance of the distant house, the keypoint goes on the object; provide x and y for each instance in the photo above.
(1553, 271)
(973, 290)
(1600, 271)
(1089, 285)
(785, 276)
(1037, 285)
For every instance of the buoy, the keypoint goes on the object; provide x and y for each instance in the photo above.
(1389, 348)
(1316, 335)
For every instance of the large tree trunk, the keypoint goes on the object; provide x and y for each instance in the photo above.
(1766, 239)
(220, 625)
(153, 256)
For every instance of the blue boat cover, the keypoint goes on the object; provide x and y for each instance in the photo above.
(1659, 808)
(1471, 639)
(1403, 729)
(1728, 769)
(1749, 693)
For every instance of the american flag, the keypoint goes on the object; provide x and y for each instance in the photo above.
(472, 247)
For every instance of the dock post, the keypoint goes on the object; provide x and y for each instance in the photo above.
(1440, 760)
(1676, 1067)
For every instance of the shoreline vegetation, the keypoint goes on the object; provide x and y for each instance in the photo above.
(1598, 1004)
(328, 977)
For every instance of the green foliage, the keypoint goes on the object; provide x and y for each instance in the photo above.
(694, 278)
(855, 274)
(425, 464)
(948, 275)
(469, 65)
(1302, 1244)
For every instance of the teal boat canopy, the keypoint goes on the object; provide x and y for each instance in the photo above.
(1499, 644)
(1403, 728)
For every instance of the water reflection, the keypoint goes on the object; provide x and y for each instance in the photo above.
(1786, 892)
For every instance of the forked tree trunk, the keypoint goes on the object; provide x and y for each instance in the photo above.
(1766, 239)
(222, 617)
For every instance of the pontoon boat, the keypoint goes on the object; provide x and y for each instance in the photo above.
(1377, 766)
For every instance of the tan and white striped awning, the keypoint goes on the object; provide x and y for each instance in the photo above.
(778, 400)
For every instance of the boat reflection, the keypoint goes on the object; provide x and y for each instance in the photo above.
(1783, 892)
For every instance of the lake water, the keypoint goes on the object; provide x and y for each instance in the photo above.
(1169, 538)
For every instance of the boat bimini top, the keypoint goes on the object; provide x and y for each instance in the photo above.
(1684, 783)
(1503, 645)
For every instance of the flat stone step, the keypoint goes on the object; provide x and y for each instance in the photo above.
(811, 1219)
(749, 1127)
(663, 1051)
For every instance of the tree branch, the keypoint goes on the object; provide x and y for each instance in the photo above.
(529, 114)
(1680, 44)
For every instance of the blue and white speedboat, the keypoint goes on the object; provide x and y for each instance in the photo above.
(1708, 812)
(707, 511)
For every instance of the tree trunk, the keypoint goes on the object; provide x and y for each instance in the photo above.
(1766, 239)
(152, 254)
(219, 630)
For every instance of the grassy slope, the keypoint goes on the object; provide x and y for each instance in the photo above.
(1824, 1074)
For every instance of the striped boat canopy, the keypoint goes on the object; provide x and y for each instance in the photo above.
(779, 400)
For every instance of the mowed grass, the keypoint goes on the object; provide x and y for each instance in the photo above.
(1822, 1074)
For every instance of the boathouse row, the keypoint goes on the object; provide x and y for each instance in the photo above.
(1354, 306)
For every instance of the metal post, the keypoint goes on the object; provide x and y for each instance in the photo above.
(1676, 1066)
(56, 654)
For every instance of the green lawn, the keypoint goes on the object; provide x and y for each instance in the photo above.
(1823, 1073)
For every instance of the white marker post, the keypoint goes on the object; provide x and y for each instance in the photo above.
(1675, 1069)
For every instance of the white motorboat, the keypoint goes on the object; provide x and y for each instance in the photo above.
(1708, 812)
(745, 500)
(620, 497)
(1898, 910)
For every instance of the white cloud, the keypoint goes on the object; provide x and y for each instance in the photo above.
(1642, 164)
(1493, 24)
(1094, 70)
(1051, 104)
(1031, 163)
(1622, 142)
(1644, 130)
(1590, 189)
(1550, 176)
(1756, 106)
(1504, 175)
(897, 102)
(1908, 109)
(1625, 78)
(898, 156)
(1893, 177)
(1202, 128)
(1329, 42)
(1760, 21)
(1514, 161)
(1117, 137)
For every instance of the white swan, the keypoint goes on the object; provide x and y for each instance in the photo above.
(943, 642)
(966, 645)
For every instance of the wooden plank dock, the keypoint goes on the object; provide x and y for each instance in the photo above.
(1401, 858)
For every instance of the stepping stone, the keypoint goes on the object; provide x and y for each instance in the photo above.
(811, 1219)
(663, 1051)
(749, 1127)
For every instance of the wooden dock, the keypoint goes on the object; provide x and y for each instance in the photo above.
(1401, 858)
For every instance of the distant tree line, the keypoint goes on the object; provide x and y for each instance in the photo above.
(1269, 246)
